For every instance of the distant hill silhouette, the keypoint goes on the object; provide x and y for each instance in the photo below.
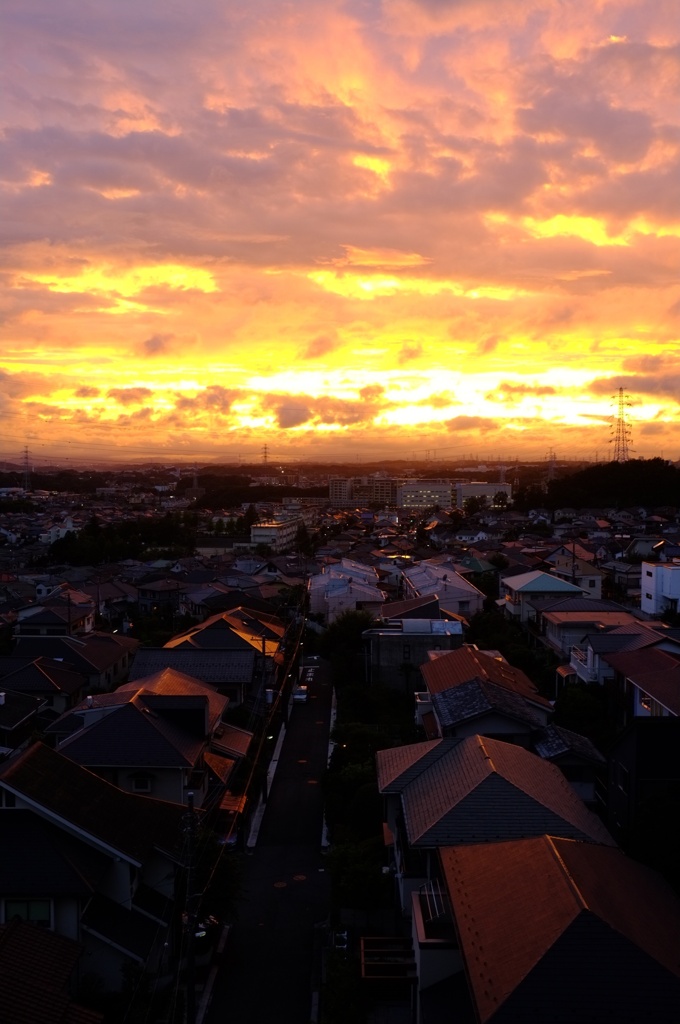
(651, 483)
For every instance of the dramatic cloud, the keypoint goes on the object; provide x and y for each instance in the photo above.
(348, 227)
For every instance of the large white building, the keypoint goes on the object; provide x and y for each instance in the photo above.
(660, 587)
(424, 494)
(279, 534)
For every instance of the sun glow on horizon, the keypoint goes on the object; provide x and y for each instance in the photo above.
(376, 224)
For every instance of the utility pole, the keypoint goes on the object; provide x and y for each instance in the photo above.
(190, 828)
(27, 471)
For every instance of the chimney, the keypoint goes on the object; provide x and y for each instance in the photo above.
(89, 701)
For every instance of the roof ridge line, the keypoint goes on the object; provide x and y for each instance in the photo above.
(486, 754)
(578, 895)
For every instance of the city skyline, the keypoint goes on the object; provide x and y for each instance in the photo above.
(342, 230)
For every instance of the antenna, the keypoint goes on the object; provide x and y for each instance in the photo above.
(621, 427)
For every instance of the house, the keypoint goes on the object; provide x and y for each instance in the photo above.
(519, 593)
(565, 621)
(103, 658)
(646, 683)
(398, 646)
(90, 862)
(587, 934)
(589, 658)
(63, 611)
(232, 673)
(240, 630)
(453, 791)
(660, 588)
(577, 758)
(470, 691)
(154, 737)
(580, 572)
(343, 586)
(18, 719)
(55, 684)
(457, 596)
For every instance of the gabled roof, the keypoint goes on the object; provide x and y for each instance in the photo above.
(584, 934)
(92, 652)
(60, 790)
(133, 736)
(40, 675)
(483, 790)
(538, 582)
(169, 682)
(451, 668)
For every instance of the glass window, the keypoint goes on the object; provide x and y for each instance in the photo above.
(34, 911)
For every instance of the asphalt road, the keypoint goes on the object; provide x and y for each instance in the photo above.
(269, 968)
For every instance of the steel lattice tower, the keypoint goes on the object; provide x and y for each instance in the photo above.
(621, 429)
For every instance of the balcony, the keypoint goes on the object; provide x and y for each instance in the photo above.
(578, 660)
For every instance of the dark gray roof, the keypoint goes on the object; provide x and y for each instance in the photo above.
(212, 666)
(132, 736)
(606, 643)
(479, 697)
(556, 741)
(482, 790)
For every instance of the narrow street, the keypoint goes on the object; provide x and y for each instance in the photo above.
(269, 968)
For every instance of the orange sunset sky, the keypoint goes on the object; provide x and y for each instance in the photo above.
(363, 229)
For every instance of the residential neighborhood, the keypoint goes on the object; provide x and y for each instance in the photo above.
(499, 777)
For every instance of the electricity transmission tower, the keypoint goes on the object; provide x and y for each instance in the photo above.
(621, 428)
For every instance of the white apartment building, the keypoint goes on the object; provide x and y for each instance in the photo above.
(279, 534)
(660, 587)
(424, 494)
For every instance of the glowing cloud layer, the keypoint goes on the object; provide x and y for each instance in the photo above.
(342, 228)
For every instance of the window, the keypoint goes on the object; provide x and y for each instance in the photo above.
(591, 583)
(141, 783)
(38, 912)
(649, 572)
(648, 596)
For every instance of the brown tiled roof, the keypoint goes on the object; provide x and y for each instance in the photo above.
(63, 790)
(397, 766)
(35, 968)
(451, 668)
(477, 789)
(557, 925)
(171, 682)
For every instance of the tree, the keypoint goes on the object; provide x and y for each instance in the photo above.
(474, 504)
(343, 645)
